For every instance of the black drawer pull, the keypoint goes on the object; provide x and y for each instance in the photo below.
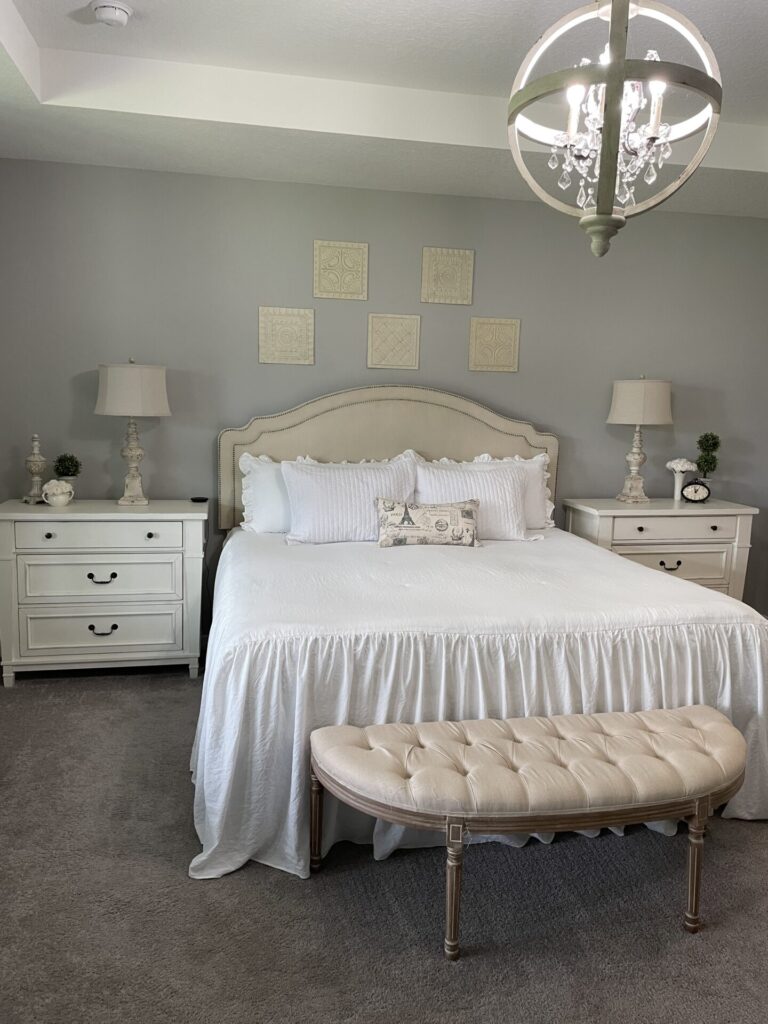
(713, 528)
(150, 535)
(109, 632)
(670, 568)
(49, 536)
(641, 529)
(102, 583)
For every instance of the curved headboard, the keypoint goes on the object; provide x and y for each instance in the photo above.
(375, 423)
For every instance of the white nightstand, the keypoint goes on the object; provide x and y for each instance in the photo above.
(97, 584)
(707, 543)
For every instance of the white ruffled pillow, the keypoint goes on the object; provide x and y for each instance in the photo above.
(538, 497)
(500, 488)
(335, 501)
(265, 499)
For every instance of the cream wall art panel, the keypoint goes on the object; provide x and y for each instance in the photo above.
(393, 341)
(341, 270)
(286, 335)
(446, 275)
(493, 344)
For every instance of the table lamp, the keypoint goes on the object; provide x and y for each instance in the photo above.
(639, 403)
(132, 389)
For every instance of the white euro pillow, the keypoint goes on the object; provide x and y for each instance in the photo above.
(334, 502)
(500, 488)
(265, 499)
(538, 497)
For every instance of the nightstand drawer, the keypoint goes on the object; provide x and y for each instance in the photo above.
(701, 564)
(118, 577)
(59, 629)
(682, 527)
(83, 535)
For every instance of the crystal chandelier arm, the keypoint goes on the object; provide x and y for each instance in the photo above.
(555, 82)
(673, 186)
(614, 95)
(683, 75)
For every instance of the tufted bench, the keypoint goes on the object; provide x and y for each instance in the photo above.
(533, 775)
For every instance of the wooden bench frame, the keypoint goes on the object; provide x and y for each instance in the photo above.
(695, 811)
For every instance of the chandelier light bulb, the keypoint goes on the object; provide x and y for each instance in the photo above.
(607, 164)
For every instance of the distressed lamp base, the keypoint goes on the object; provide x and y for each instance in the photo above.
(133, 453)
(601, 227)
(633, 491)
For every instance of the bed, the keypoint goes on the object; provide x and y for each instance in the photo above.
(310, 635)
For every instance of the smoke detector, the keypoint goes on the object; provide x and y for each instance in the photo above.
(113, 13)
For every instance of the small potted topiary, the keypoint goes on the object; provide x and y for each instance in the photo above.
(66, 467)
(707, 461)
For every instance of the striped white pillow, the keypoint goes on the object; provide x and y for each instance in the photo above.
(335, 502)
(499, 486)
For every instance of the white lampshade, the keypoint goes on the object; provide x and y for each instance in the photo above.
(641, 402)
(132, 389)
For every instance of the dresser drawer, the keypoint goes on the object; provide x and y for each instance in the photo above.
(100, 578)
(62, 629)
(702, 564)
(97, 535)
(656, 528)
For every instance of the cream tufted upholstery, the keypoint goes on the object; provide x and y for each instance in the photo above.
(530, 766)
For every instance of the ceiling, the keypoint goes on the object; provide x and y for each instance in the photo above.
(398, 95)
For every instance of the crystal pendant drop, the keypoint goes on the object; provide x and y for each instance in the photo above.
(623, 193)
(552, 162)
(650, 174)
(564, 180)
(666, 151)
(581, 198)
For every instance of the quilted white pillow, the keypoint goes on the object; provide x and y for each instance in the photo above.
(499, 486)
(333, 502)
(265, 499)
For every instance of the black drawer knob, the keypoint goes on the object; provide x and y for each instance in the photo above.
(102, 583)
(713, 527)
(108, 632)
(150, 535)
(670, 568)
(641, 529)
(49, 536)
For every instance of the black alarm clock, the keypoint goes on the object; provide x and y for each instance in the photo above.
(696, 491)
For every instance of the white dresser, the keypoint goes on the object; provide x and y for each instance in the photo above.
(706, 543)
(97, 584)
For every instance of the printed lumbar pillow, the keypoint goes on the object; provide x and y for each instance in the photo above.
(404, 522)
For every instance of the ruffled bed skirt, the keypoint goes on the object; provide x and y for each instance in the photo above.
(262, 699)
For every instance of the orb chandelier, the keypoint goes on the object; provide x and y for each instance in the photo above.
(617, 131)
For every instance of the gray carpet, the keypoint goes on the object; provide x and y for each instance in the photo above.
(100, 924)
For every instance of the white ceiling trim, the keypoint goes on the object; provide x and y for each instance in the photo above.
(232, 96)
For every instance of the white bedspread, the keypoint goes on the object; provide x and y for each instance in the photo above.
(305, 636)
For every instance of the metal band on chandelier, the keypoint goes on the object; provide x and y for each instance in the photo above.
(604, 145)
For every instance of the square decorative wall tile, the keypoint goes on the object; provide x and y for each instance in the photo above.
(393, 341)
(493, 344)
(446, 275)
(341, 270)
(286, 335)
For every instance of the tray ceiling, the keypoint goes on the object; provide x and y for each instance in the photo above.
(400, 95)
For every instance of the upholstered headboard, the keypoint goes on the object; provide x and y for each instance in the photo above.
(375, 423)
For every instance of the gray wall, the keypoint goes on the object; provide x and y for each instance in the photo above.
(97, 265)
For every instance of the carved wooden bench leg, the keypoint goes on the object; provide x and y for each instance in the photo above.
(455, 854)
(697, 827)
(315, 824)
